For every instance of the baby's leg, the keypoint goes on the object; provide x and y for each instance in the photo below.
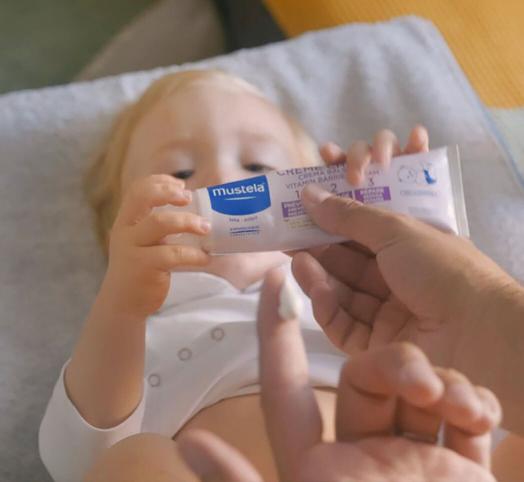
(142, 457)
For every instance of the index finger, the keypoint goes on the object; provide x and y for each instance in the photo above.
(291, 412)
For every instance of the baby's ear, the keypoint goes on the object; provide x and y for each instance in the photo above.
(332, 153)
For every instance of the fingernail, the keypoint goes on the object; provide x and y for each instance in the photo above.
(421, 381)
(414, 373)
(491, 405)
(187, 194)
(387, 155)
(361, 175)
(314, 194)
(205, 225)
(492, 409)
(460, 394)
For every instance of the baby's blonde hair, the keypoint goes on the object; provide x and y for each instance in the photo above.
(103, 179)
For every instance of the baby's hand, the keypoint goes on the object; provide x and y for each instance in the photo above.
(138, 274)
(385, 146)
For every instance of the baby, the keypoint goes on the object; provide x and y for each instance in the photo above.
(170, 341)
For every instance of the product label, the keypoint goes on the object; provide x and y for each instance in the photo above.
(247, 196)
(291, 209)
(372, 195)
(246, 217)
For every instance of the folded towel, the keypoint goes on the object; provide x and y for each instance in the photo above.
(485, 36)
(510, 124)
(343, 83)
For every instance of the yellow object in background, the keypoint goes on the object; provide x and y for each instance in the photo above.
(486, 36)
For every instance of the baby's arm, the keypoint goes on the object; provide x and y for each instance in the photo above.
(104, 377)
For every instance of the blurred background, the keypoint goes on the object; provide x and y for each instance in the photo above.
(48, 42)
(45, 42)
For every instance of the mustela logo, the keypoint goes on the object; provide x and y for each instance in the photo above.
(236, 191)
(247, 196)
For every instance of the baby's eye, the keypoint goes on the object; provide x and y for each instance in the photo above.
(184, 174)
(254, 167)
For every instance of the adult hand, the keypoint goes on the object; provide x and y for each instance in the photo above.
(399, 280)
(387, 399)
(402, 280)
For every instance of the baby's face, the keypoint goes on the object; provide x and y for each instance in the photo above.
(210, 134)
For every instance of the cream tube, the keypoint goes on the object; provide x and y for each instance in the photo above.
(264, 213)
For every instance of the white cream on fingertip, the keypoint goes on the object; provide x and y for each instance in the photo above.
(290, 304)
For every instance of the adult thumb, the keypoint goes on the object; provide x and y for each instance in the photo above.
(369, 226)
(213, 460)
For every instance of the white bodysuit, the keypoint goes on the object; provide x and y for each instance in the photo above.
(201, 347)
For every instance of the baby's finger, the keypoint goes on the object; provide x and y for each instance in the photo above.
(168, 257)
(158, 224)
(332, 153)
(418, 140)
(370, 384)
(358, 158)
(385, 146)
(150, 192)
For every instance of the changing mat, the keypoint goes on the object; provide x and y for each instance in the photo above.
(343, 84)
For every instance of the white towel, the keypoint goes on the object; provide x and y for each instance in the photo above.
(343, 83)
